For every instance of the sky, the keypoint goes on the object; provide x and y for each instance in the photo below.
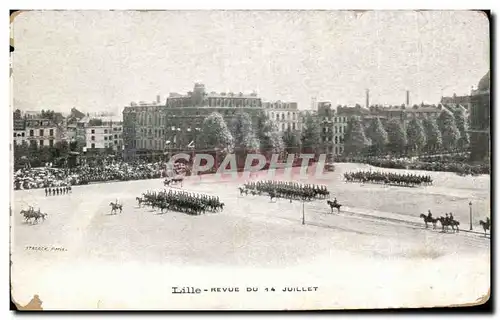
(102, 60)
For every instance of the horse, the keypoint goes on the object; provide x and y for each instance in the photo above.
(272, 195)
(166, 182)
(115, 206)
(486, 225)
(334, 205)
(242, 191)
(428, 219)
(445, 222)
(139, 200)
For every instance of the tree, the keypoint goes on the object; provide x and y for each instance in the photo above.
(291, 140)
(416, 135)
(433, 135)
(311, 134)
(355, 140)
(463, 126)
(379, 138)
(448, 128)
(214, 133)
(244, 136)
(269, 135)
(396, 136)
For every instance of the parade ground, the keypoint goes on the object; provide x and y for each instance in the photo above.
(137, 256)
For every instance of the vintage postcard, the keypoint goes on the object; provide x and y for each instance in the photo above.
(250, 160)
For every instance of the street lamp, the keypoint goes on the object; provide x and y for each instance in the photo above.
(470, 212)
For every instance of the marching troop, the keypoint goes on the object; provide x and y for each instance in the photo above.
(283, 189)
(188, 202)
(407, 180)
(57, 191)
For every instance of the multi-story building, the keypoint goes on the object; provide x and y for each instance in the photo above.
(185, 113)
(144, 128)
(284, 114)
(333, 123)
(480, 120)
(102, 133)
(35, 130)
(460, 100)
(150, 128)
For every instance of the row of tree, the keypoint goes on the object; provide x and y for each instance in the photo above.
(36, 156)
(242, 134)
(446, 133)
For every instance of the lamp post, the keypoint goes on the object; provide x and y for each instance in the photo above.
(470, 213)
(303, 212)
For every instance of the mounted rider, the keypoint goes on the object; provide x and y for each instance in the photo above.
(429, 215)
(451, 217)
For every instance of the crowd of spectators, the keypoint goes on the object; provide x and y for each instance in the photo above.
(45, 177)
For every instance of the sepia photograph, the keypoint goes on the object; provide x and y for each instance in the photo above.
(185, 160)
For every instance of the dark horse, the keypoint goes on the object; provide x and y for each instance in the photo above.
(333, 204)
(428, 219)
(115, 206)
(445, 222)
(273, 195)
(139, 200)
(486, 225)
(242, 191)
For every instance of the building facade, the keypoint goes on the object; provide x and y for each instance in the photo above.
(285, 115)
(480, 120)
(333, 124)
(102, 133)
(34, 130)
(153, 128)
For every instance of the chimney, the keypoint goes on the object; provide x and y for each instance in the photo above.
(158, 99)
(407, 97)
(367, 98)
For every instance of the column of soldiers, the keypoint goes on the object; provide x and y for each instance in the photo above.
(188, 202)
(388, 178)
(289, 190)
(55, 191)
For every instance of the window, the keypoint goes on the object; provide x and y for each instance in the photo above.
(51, 132)
(105, 130)
(282, 127)
(116, 142)
(336, 150)
(92, 131)
(105, 138)
(293, 126)
(33, 143)
(92, 138)
(41, 132)
(116, 136)
(336, 139)
(282, 116)
(41, 143)
(31, 133)
(15, 134)
(51, 143)
(92, 145)
(22, 134)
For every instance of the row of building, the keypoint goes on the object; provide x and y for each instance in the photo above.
(151, 127)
